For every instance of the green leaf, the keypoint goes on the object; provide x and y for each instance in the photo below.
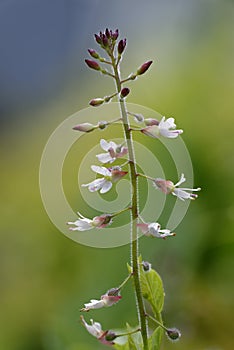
(152, 289)
(155, 339)
(129, 268)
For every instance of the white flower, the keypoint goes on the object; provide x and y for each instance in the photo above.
(166, 128)
(110, 298)
(113, 150)
(95, 329)
(85, 224)
(154, 230)
(104, 184)
(167, 186)
(182, 193)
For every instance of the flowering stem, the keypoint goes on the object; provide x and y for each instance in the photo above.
(120, 212)
(132, 77)
(134, 207)
(156, 321)
(146, 176)
(125, 281)
(124, 334)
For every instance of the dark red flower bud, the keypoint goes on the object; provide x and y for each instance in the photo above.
(92, 64)
(121, 46)
(104, 40)
(115, 34)
(124, 92)
(144, 67)
(93, 53)
(98, 39)
(107, 32)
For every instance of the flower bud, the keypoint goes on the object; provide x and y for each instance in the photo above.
(144, 67)
(102, 124)
(85, 127)
(173, 334)
(139, 118)
(108, 98)
(107, 32)
(151, 121)
(110, 336)
(98, 39)
(92, 64)
(93, 53)
(104, 40)
(121, 46)
(124, 92)
(96, 102)
(146, 266)
(115, 34)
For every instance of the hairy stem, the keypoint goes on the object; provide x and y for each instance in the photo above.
(134, 208)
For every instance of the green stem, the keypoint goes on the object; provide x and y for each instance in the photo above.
(134, 209)
(156, 321)
(124, 334)
(125, 281)
(120, 212)
(146, 176)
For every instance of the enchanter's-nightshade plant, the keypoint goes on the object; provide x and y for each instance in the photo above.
(147, 283)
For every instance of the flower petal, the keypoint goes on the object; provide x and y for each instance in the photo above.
(101, 170)
(181, 194)
(94, 329)
(105, 158)
(94, 304)
(167, 123)
(171, 134)
(95, 185)
(81, 225)
(106, 187)
(104, 145)
(181, 180)
(153, 229)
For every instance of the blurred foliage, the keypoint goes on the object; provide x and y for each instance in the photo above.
(45, 277)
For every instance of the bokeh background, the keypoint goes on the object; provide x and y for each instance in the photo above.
(44, 277)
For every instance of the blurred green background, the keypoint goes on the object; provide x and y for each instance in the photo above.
(45, 278)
